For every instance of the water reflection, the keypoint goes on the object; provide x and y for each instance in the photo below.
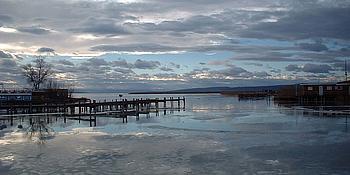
(226, 137)
(38, 130)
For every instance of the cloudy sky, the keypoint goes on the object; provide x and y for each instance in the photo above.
(167, 44)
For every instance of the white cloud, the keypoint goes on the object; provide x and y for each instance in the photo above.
(8, 30)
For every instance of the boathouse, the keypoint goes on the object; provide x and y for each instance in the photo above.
(15, 95)
(40, 96)
(316, 94)
(50, 96)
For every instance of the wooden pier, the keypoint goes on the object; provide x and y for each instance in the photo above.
(91, 108)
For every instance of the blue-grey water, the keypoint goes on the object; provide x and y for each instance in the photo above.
(213, 135)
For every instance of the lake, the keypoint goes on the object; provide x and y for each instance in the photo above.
(214, 134)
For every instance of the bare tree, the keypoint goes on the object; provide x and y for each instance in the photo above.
(37, 72)
(53, 84)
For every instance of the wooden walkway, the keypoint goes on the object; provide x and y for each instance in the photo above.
(91, 108)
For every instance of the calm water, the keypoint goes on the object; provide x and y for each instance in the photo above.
(214, 135)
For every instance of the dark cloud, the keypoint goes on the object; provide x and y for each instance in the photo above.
(340, 65)
(316, 47)
(95, 62)
(122, 63)
(310, 68)
(275, 70)
(65, 62)
(328, 22)
(255, 64)
(141, 47)
(231, 72)
(124, 71)
(5, 19)
(8, 63)
(234, 71)
(270, 56)
(5, 55)
(10, 73)
(219, 62)
(174, 65)
(101, 27)
(167, 69)
(198, 24)
(34, 30)
(293, 67)
(143, 64)
(228, 22)
(261, 74)
(46, 50)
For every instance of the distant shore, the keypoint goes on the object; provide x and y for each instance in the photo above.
(173, 92)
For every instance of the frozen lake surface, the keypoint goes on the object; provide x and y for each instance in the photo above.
(213, 135)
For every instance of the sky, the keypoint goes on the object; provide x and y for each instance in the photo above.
(150, 45)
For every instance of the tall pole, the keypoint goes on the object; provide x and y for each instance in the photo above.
(346, 70)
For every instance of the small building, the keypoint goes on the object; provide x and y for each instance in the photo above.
(316, 94)
(50, 96)
(15, 96)
(40, 96)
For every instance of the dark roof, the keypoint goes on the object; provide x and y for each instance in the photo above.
(344, 82)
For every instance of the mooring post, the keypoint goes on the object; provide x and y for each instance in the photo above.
(164, 102)
(171, 102)
(30, 108)
(104, 106)
(94, 105)
(72, 109)
(90, 108)
(137, 109)
(64, 108)
(79, 108)
(184, 102)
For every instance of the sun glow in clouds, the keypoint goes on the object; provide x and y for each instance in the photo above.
(130, 1)
(8, 30)
(87, 37)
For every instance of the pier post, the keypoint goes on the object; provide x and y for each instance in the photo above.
(94, 105)
(30, 108)
(104, 106)
(79, 108)
(184, 102)
(171, 102)
(164, 102)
